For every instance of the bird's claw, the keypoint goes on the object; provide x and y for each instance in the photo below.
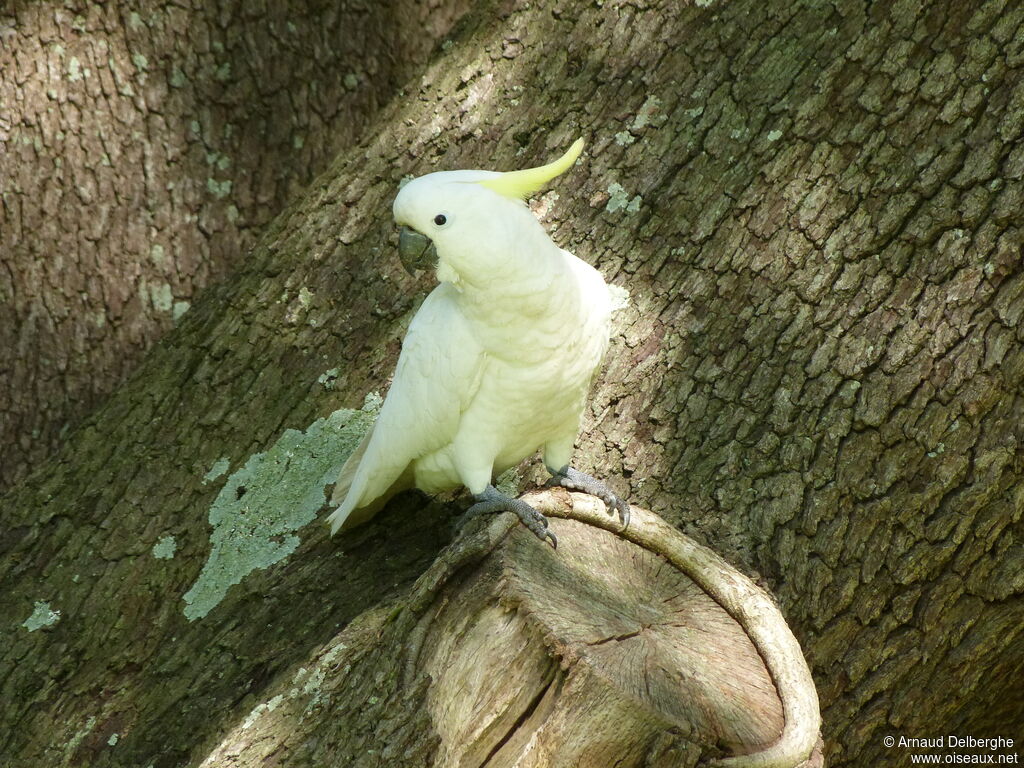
(574, 480)
(492, 501)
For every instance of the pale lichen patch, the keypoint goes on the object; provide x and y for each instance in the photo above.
(161, 297)
(262, 505)
(178, 79)
(165, 548)
(649, 114)
(313, 684)
(42, 616)
(372, 402)
(72, 746)
(220, 466)
(328, 378)
(219, 189)
(268, 706)
(306, 684)
(618, 199)
(218, 159)
(299, 305)
(75, 71)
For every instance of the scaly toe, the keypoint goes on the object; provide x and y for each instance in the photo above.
(492, 500)
(574, 480)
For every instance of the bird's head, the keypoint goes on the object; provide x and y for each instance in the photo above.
(456, 220)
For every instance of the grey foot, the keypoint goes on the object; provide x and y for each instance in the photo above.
(574, 480)
(492, 500)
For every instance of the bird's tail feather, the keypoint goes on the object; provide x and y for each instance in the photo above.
(347, 497)
(348, 470)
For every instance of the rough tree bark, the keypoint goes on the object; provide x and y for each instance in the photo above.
(144, 147)
(816, 211)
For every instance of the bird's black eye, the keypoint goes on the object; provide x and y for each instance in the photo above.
(440, 219)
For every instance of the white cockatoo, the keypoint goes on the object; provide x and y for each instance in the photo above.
(497, 361)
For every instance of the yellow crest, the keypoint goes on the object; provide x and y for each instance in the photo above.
(519, 185)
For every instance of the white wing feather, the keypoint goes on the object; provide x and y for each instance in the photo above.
(437, 375)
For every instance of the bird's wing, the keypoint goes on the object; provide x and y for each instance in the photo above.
(437, 375)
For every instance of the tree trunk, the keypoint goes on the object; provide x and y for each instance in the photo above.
(144, 148)
(518, 661)
(816, 212)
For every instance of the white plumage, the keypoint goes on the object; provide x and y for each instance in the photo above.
(498, 360)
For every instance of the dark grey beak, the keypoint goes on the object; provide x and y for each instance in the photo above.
(415, 250)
